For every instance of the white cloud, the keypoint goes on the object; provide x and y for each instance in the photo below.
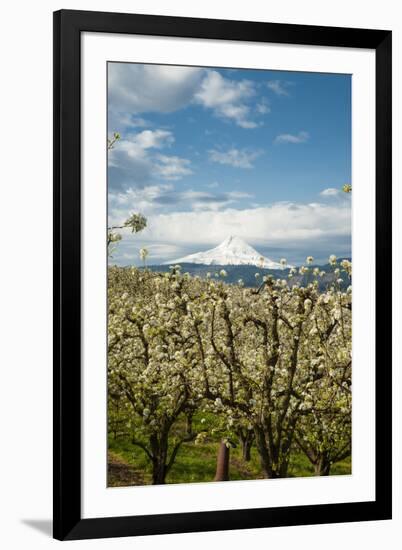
(275, 224)
(117, 121)
(139, 88)
(279, 87)
(162, 249)
(136, 122)
(154, 138)
(172, 167)
(154, 198)
(239, 158)
(135, 198)
(208, 201)
(282, 223)
(135, 145)
(283, 229)
(227, 98)
(301, 137)
(263, 107)
(136, 159)
(330, 192)
(143, 88)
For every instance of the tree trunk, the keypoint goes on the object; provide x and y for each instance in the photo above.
(283, 470)
(158, 473)
(273, 466)
(246, 440)
(322, 466)
(262, 449)
(222, 463)
(189, 423)
(159, 458)
(246, 450)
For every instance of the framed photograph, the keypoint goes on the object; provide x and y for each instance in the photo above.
(214, 183)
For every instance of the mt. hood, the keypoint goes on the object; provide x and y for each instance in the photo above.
(232, 251)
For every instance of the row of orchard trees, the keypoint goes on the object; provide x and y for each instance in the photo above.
(272, 365)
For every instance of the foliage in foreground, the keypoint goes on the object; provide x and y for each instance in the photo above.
(193, 362)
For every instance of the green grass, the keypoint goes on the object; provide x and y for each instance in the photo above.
(197, 463)
(300, 466)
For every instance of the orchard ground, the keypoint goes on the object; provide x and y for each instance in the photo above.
(128, 464)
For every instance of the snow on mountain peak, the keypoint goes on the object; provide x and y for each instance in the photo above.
(232, 251)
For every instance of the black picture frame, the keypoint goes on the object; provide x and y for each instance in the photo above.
(68, 26)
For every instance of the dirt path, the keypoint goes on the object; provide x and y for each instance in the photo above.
(121, 474)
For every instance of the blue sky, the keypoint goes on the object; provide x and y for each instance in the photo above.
(206, 152)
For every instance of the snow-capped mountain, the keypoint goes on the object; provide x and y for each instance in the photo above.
(232, 251)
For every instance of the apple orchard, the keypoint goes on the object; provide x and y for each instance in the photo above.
(209, 380)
